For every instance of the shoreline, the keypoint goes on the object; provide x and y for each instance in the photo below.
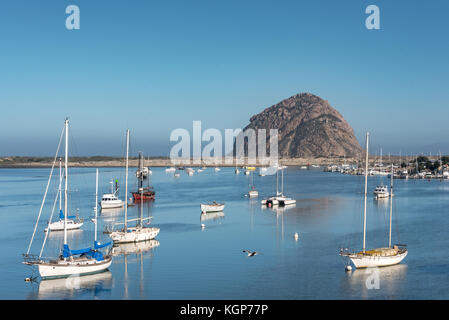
(12, 162)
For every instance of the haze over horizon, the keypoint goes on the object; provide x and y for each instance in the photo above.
(155, 67)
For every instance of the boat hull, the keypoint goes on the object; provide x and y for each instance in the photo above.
(253, 194)
(134, 235)
(146, 196)
(64, 270)
(211, 208)
(112, 204)
(59, 226)
(364, 261)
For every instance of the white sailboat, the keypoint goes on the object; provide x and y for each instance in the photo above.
(378, 257)
(73, 222)
(279, 198)
(70, 262)
(139, 232)
(252, 193)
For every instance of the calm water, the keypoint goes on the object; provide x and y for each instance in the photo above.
(187, 262)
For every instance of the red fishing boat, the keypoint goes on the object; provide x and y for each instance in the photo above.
(146, 193)
(143, 193)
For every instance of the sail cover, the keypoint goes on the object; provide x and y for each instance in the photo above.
(61, 216)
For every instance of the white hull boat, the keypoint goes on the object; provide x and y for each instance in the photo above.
(170, 169)
(253, 193)
(381, 192)
(368, 261)
(59, 225)
(69, 262)
(213, 207)
(109, 202)
(78, 266)
(217, 169)
(135, 234)
(379, 257)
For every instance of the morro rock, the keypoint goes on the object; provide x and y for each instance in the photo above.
(308, 127)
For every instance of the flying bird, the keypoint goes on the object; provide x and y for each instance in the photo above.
(251, 253)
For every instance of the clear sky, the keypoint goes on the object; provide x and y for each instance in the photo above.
(154, 66)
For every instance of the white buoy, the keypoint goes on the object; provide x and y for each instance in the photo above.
(296, 235)
(348, 268)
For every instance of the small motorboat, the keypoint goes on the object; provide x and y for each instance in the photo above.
(381, 192)
(212, 207)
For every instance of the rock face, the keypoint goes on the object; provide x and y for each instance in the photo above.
(308, 127)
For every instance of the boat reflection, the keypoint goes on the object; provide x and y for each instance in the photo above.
(211, 216)
(381, 202)
(134, 247)
(75, 286)
(138, 249)
(111, 212)
(385, 281)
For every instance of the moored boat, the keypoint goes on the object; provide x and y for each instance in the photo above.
(212, 207)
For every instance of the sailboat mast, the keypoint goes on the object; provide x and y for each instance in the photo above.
(66, 176)
(60, 184)
(96, 203)
(391, 203)
(126, 179)
(366, 190)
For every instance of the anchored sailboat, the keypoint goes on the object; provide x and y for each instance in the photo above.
(139, 232)
(70, 262)
(73, 222)
(280, 198)
(378, 257)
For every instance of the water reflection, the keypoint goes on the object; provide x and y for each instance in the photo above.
(369, 282)
(75, 286)
(138, 249)
(211, 216)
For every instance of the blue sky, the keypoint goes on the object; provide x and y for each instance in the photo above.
(153, 66)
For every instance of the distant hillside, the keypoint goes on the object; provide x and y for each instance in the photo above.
(308, 127)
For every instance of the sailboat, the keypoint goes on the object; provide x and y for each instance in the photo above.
(71, 223)
(70, 262)
(253, 193)
(378, 257)
(280, 198)
(139, 232)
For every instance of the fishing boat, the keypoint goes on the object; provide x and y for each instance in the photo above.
(70, 262)
(378, 257)
(143, 193)
(139, 232)
(110, 200)
(212, 207)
